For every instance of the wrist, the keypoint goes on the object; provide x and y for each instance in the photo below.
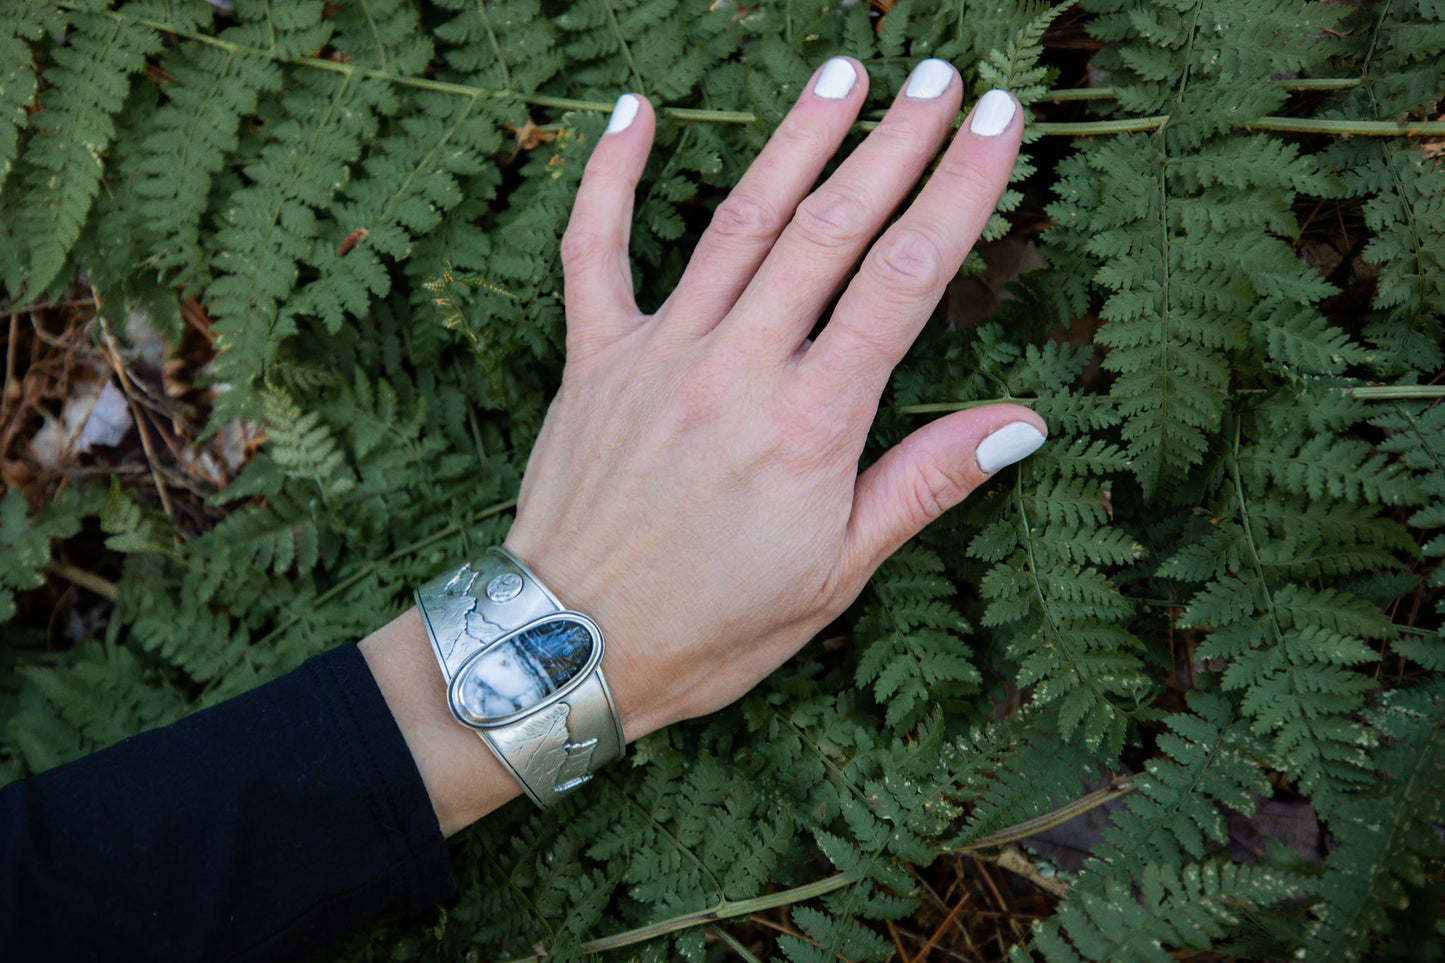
(642, 701)
(462, 777)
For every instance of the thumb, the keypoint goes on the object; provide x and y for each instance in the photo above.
(929, 472)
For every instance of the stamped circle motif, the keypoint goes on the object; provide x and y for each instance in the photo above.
(504, 587)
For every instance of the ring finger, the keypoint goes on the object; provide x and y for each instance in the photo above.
(832, 226)
(746, 224)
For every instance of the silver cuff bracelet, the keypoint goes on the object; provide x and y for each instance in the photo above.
(523, 672)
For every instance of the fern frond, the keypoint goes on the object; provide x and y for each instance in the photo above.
(1063, 639)
(27, 550)
(829, 936)
(637, 45)
(1188, 907)
(506, 45)
(1417, 436)
(1207, 761)
(1287, 646)
(27, 540)
(1343, 468)
(132, 529)
(407, 182)
(1387, 840)
(1016, 68)
(1023, 784)
(63, 162)
(189, 141)
(270, 226)
(102, 694)
(383, 35)
(261, 538)
(305, 448)
(20, 27)
(913, 637)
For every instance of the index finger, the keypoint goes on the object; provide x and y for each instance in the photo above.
(904, 274)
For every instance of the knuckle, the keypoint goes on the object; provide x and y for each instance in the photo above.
(583, 250)
(793, 423)
(830, 219)
(910, 262)
(700, 395)
(746, 218)
(932, 490)
(908, 134)
(805, 136)
(605, 167)
(809, 426)
(966, 179)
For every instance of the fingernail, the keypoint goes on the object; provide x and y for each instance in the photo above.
(994, 111)
(1013, 442)
(622, 114)
(929, 79)
(836, 80)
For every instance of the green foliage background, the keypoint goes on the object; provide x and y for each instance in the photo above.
(1249, 474)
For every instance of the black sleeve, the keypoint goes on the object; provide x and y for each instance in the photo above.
(268, 827)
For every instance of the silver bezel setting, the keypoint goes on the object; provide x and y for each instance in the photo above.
(581, 676)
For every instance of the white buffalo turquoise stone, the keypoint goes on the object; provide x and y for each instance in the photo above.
(519, 673)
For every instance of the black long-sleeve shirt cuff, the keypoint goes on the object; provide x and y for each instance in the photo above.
(268, 827)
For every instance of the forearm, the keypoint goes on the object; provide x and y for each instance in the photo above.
(269, 826)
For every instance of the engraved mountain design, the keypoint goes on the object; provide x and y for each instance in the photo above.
(545, 756)
(461, 581)
(448, 616)
(481, 628)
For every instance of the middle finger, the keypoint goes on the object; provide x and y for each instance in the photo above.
(833, 225)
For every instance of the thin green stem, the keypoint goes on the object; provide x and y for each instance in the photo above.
(724, 909)
(1064, 95)
(1248, 529)
(1349, 128)
(733, 944)
(626, 48)
(1374, 43)
(1339, 128)
(1398, 392)
(1068, 94)
(1322, 83)
(1094, 128)
(492, 42)
(1116, 788)
(371, 25)
(1189, 53)
(828, 763)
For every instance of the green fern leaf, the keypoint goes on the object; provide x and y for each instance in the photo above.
(1188, 908)
(19, 28)
(63, 162)
(1386, 840)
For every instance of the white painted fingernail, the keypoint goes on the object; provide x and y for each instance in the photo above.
(992, 115)
(1013, 442)
(929, 79)
(622, 114)
(836, 80)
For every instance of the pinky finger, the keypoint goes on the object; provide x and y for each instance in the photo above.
(596, 271)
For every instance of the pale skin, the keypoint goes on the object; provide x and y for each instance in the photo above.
(696, 486)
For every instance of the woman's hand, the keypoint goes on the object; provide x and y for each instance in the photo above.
(695, 488)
